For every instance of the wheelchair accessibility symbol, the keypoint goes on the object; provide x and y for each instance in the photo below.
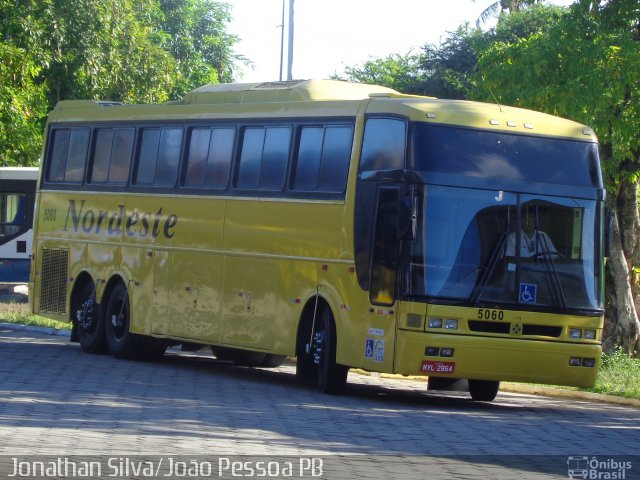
(528, 293)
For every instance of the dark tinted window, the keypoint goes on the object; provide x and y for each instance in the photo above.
(159, 156)
(383, 146)
(68, 155)
(275, 158)
(112, 155)
(264, 157)
(210, 153)
(121, 154)
(249, 168)
(323, 159)
(503, 156)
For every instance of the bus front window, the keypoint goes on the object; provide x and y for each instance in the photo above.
(481, 246)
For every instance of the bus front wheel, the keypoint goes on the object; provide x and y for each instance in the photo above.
(483, 390)
(89, 321)
(332, 377)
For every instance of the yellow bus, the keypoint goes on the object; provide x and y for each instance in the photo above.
(346, 225)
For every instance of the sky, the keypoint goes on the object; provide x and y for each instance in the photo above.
(332, 34)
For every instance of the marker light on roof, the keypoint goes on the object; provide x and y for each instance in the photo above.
(494, 122)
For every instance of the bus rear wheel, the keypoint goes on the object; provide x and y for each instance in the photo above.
(483, 390)
(89, 320)
(122, 343)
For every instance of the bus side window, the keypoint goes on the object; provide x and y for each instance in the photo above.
(264, 158)
(112, 155)
(383, 146)
(68, 155)
(322, 163)
(159, 156)
(209, 159)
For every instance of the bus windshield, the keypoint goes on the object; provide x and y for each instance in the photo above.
(493, 155)
(481, 246)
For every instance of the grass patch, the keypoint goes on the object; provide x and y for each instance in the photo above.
(619, 375)
(14, 312)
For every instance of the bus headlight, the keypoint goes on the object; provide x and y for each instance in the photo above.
(575, 361)
(575, 333)
(451, 324)
(590, 334)
(435, 323)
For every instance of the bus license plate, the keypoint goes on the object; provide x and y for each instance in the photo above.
(433, 366)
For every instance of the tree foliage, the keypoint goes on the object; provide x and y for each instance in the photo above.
(121, 50)
(400, 72)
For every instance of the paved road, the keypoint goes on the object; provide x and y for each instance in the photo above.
(57, 401)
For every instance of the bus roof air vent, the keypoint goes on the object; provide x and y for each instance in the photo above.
(287, 91)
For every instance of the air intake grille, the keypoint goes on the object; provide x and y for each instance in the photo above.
(53, 290)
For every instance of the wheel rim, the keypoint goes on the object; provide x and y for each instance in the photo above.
(86, 315)
(118, 319)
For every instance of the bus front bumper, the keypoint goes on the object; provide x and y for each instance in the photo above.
(501, 359)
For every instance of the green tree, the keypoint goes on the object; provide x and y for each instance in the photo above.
(195, 35)
(400, 72)
(22, 103)
(502, 7)
(449, 66)
(587, 67)
(136, 51)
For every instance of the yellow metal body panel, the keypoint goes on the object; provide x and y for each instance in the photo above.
(513, 356)
(236, 271)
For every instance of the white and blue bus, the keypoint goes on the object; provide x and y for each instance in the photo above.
(17, 196)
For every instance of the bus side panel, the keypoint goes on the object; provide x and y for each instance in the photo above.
(88, 229)
(366, 334)
(272, 253)
(177, 248)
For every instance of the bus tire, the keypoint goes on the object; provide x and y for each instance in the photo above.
(122, 343)
(483, 390)
(89, 321)
(332, 377)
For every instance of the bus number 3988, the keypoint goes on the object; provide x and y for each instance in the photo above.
(487, 314)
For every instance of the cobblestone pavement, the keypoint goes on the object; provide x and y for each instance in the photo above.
(56, 400)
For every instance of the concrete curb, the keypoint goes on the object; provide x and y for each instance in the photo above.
(33, 328)
(570, 394)
(539, 390)
(504, 386)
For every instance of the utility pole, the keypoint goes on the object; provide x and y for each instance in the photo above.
(282, 40)
(290, 55)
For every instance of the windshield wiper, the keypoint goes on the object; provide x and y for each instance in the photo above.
(496, 255)
(547, 257)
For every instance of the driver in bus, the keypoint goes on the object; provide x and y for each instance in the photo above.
(533, 242)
